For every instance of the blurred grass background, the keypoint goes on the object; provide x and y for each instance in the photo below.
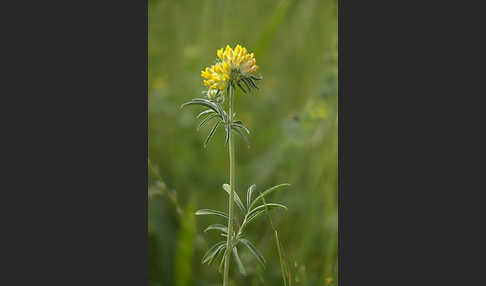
(293, 119)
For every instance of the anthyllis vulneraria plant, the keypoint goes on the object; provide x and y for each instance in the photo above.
(233, 67)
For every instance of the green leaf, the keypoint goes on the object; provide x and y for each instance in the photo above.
(205, 120)
(211, 104)
(217, 227)
(236, 198)
(220, 268)
(218, 254)
(211, 133)
(227, 134)
(244, 90)
(241, 267)
(215, 212)
(211, 212)
(242, 135)
(254, 251)
(248, 194)
(267, 192)
(213, 107)
(252, 83)
(246, 84)
(242, 127)
(213, 251)
(269, 206)
(253, 216)
(205, 112)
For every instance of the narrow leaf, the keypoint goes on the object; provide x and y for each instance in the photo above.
(218, 254)
(246, 84)
(241, 268)
(269, 206)
(267, 192)
(217, 227)
(220, 269)
(253, 216)
(241, 126)
(204, 112)
(244, 90)
(211, 133)
(227, 134)
(252, 83)
(236, 198)
(211, 212)
(212, 251)
(248, 194)
(200, 103)
(205, 120)
(242, 135)
(254, 251)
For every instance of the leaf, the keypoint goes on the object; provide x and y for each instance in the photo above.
(242, 135)
(213, 251)
(242, 127)
(241, 87)
(267, 192)
(220, 269)
(254, 251)
(269, 206)
(253, 216)
(241, 267)
(252, 83)
(205, 120)
(217, 227)
(215, 212)
(256, 212)
(236, 198)
(246, 84)
(227, 134)
(211, 133)
(204, 112)
(211, 212)
(248, 194)
(218, 254)
(212, 106)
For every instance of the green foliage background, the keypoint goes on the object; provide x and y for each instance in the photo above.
(293, 123)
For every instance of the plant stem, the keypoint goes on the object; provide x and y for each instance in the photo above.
(231, 149)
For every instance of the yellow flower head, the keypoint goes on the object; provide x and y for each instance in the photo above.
(238, 59)
(216, 76)
(231, 67)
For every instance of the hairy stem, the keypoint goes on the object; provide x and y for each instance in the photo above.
(231, 149)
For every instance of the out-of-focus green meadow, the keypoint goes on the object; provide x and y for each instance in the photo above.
(293, 123)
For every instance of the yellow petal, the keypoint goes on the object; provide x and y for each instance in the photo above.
(226, 67)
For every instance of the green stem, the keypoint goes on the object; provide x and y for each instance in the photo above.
(231, 149)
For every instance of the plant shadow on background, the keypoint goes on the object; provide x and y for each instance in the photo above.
(293, 123)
